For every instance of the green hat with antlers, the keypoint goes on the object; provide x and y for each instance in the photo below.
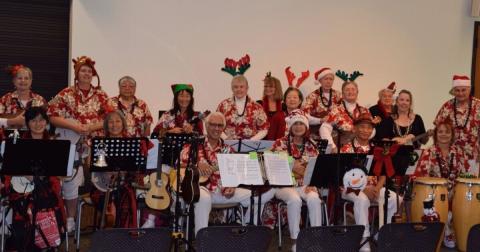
(345, 77)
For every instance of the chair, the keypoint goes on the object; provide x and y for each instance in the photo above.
(233, 238)
(82, 200)
(132, 239)
(230, 206)
(410, 236)
(330, 238)
(473, 241)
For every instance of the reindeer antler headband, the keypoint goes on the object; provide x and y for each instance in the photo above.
(231, 65)
(291, 77)
(344, 76)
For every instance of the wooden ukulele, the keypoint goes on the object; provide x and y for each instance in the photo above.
(190, 184)
(157, 196)
(108, 211)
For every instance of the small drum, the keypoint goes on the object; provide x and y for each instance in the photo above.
(465, 208)
(422, 188)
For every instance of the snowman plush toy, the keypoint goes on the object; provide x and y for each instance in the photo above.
(355, 180)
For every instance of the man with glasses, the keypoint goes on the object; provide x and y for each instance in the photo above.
(213, 192)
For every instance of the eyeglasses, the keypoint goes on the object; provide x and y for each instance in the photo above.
(216, 125)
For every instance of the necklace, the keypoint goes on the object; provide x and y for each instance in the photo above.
(455, 113)
(244, 106)
(289, 148)
(446, 167)
(329, 103)
(121, 106)
(398, 131)
(348, 113)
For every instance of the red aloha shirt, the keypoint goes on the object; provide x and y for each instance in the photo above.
(466, 138)
(72, 103)
(433, 164)
(10, 104)
(354, 147)
(207, 154)
(314, 106)
(169, 121)
(243, 126)
(340, 117)
(310, 150)
(138, 115)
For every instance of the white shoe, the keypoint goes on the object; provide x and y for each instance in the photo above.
(70, 224)
(150, 222)
(366, 247)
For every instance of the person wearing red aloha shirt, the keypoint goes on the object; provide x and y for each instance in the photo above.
(464, 111)
(299, 146)
(80, 108)
(207, 163)
(245, 118)
(12, 104)
(181, 118)
(343, 116)
(363, 128)
(321, 101)
(444, 160)
(136, 111)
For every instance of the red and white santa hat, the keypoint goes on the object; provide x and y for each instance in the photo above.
(322, 73)
(460, 81)
(296, 115)
(392, 87)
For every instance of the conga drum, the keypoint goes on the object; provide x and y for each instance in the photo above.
(465, 208)
(422, 188)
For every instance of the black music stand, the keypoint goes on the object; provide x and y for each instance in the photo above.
(121, 154)
(37, 158)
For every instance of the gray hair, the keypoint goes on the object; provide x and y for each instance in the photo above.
(109, 116)
(216, 113)
(127, 78)
(240, 78)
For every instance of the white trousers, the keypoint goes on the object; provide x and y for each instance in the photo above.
(361, 203)
(293, 197)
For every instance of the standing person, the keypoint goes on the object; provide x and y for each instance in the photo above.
(135, 110)
(384, 106)
(321, 101)
(403, 125)
(13, 104)
(444, 159)
(181, 118)
(272, 106)
(245, 119)
(344, 115)
(463, 111)
(81, 109)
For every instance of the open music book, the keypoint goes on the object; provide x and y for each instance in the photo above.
(245, 169)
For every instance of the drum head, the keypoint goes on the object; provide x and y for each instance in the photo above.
(475, 181)
(431, 181)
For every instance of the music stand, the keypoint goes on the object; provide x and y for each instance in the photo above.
(326, 173)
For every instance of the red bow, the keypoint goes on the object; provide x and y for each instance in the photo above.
(383, 155)
(356, 191)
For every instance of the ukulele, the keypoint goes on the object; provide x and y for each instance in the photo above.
(108, 211)
(157, 196)
(189, 186)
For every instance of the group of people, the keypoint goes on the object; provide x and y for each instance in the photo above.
(294, 124)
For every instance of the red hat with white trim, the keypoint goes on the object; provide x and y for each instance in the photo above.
(296, 115)
(460, 81)
(322, 73)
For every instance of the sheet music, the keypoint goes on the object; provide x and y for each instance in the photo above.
(368, 164)
(277, 169)
(152, 155)
(236, 169)
(71, 159)
(411, 169)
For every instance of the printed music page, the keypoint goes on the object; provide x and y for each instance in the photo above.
(277, 169)
(236, 169)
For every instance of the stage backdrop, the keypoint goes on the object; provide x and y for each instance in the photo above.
(418, 44)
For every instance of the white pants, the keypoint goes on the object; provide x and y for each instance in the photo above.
(361, 203)
(293, 197)
(70, 188)
(207, 198)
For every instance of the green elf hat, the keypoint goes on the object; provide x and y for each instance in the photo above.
(180, 86)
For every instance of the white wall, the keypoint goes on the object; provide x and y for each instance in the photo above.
(418, 44)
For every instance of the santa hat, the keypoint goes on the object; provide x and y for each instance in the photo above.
(296, 115)
(322, 73)
(84, 60)
(180, 86)
(460, 81)
(392, 87)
